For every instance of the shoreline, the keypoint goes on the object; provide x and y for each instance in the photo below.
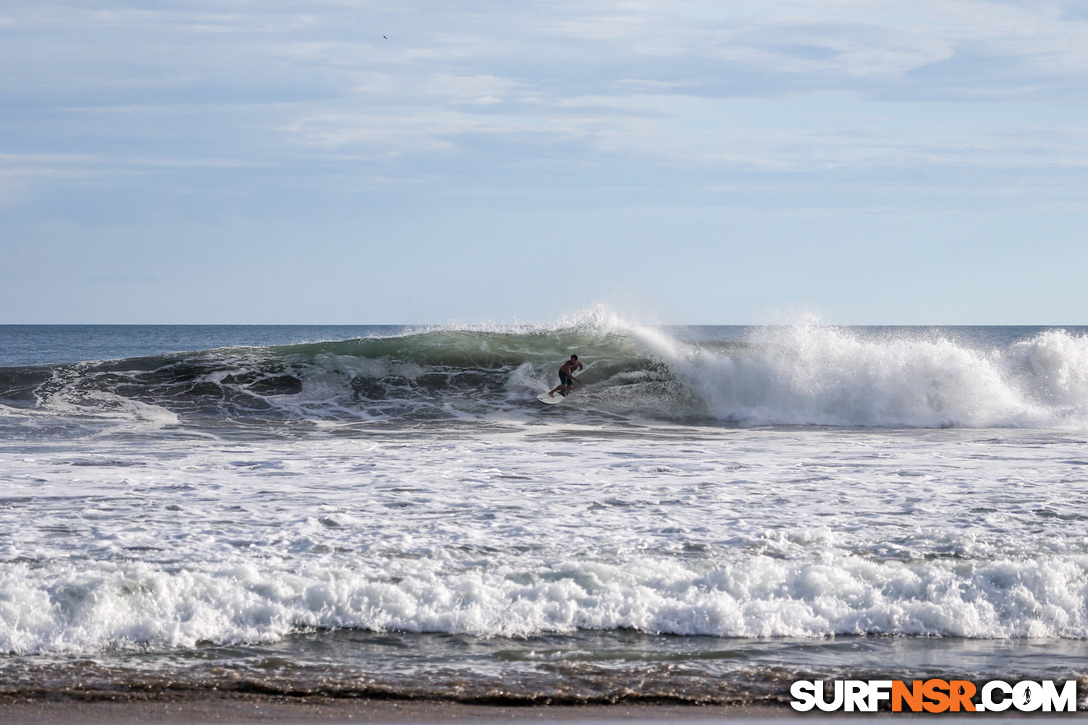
(255, 708)
(238, 709)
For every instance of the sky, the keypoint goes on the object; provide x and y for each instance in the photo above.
(357, 162)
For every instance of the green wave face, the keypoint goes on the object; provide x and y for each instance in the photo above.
(429, 375)
(459, 348)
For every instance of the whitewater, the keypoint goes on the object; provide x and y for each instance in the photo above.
(716, 512)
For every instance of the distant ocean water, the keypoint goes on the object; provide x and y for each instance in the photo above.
(388, 510)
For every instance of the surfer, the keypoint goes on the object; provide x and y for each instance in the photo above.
(566, 377)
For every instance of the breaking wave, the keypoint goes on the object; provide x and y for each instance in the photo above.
(111, 605)
(804, 374)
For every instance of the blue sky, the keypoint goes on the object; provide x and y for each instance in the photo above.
(280, 161)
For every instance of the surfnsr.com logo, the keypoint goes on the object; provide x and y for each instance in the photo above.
(934, 696)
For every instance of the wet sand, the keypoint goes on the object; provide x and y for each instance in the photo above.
(243, 709)
(261, 709)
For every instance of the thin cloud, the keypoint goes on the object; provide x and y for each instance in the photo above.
(593, 86)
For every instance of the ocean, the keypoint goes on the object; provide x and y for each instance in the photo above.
(388, 511)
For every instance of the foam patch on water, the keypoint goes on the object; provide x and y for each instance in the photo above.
(83, 609)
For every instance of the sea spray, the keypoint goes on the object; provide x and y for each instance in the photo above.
(812, 374)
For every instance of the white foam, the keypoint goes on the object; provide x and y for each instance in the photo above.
(75, 609)
(541, 527)
(820, 375)
(103, 409)
(1056, 363)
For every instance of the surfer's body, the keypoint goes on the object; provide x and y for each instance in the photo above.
(566, 376)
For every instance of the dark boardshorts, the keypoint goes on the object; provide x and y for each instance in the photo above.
(565, 379)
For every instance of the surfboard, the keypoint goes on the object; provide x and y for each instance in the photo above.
(557, 398)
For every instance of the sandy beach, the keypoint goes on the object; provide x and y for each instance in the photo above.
(257, 708)
(240, 709)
